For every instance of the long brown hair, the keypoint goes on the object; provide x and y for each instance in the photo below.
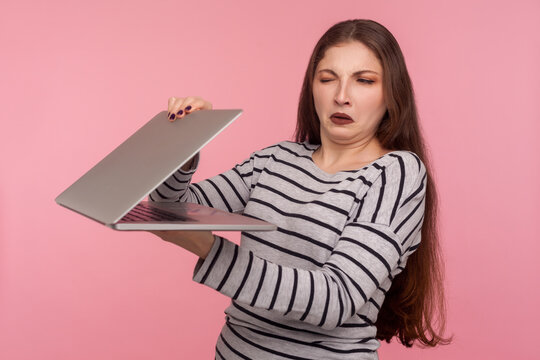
(414, 308)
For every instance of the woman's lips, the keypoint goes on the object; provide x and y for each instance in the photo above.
(341, 119)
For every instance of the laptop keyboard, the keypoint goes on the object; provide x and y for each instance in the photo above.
(144, 213)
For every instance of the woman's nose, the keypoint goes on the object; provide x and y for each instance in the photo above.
(342, 96)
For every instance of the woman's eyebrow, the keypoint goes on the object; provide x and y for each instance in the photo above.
(365, 71)
(356, 73)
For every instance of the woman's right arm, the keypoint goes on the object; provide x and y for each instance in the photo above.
(178, 188)
(229, 191)
(175, 187)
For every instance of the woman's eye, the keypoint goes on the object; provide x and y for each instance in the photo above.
(325, 80)
(366, 81)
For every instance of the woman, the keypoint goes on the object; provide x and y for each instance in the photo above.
(352, 199)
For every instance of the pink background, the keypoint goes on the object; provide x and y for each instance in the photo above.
(78, 77)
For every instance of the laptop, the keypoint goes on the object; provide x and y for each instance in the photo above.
(112, 192)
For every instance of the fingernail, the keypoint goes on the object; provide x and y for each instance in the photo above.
(172, 117)
(188, 108)
(180, 112)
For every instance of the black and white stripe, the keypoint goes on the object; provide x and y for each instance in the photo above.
(312, 288)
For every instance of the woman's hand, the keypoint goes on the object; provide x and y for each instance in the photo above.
(197, 242)
(180, 107)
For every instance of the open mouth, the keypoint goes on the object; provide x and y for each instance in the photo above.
(341, 118)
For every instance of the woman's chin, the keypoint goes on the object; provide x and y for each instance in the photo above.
(343, 136)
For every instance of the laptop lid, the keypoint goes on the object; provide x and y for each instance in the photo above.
(145, 160)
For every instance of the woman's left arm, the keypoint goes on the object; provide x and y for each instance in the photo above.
(196, 242)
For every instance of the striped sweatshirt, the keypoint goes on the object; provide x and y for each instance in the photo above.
(312, 289)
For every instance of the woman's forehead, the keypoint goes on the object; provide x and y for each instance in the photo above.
(352, 56)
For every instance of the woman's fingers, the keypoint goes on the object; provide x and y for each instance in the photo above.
(190, 104)
(170, 104)
(174, 107)
(185, 106)
(180, 107)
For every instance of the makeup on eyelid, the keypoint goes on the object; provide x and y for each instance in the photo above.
(361, 80)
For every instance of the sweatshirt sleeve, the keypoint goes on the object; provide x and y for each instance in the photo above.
(228, 191)
(372, 248)
(176, 185)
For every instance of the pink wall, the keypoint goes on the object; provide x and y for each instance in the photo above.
(76, 79)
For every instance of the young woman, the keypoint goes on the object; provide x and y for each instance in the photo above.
(355, 258)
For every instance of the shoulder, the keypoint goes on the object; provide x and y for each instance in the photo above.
(408, 159)
(265, 152)
(400, 168)
(288, 148)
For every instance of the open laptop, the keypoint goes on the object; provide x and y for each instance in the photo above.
(111, 193)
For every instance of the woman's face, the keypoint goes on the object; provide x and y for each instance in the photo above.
(348, 94)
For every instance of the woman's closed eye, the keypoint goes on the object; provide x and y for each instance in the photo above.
(365, 81)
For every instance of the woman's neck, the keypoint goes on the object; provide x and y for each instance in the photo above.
(333, 157)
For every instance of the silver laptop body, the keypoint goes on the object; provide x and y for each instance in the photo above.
(117, 185)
